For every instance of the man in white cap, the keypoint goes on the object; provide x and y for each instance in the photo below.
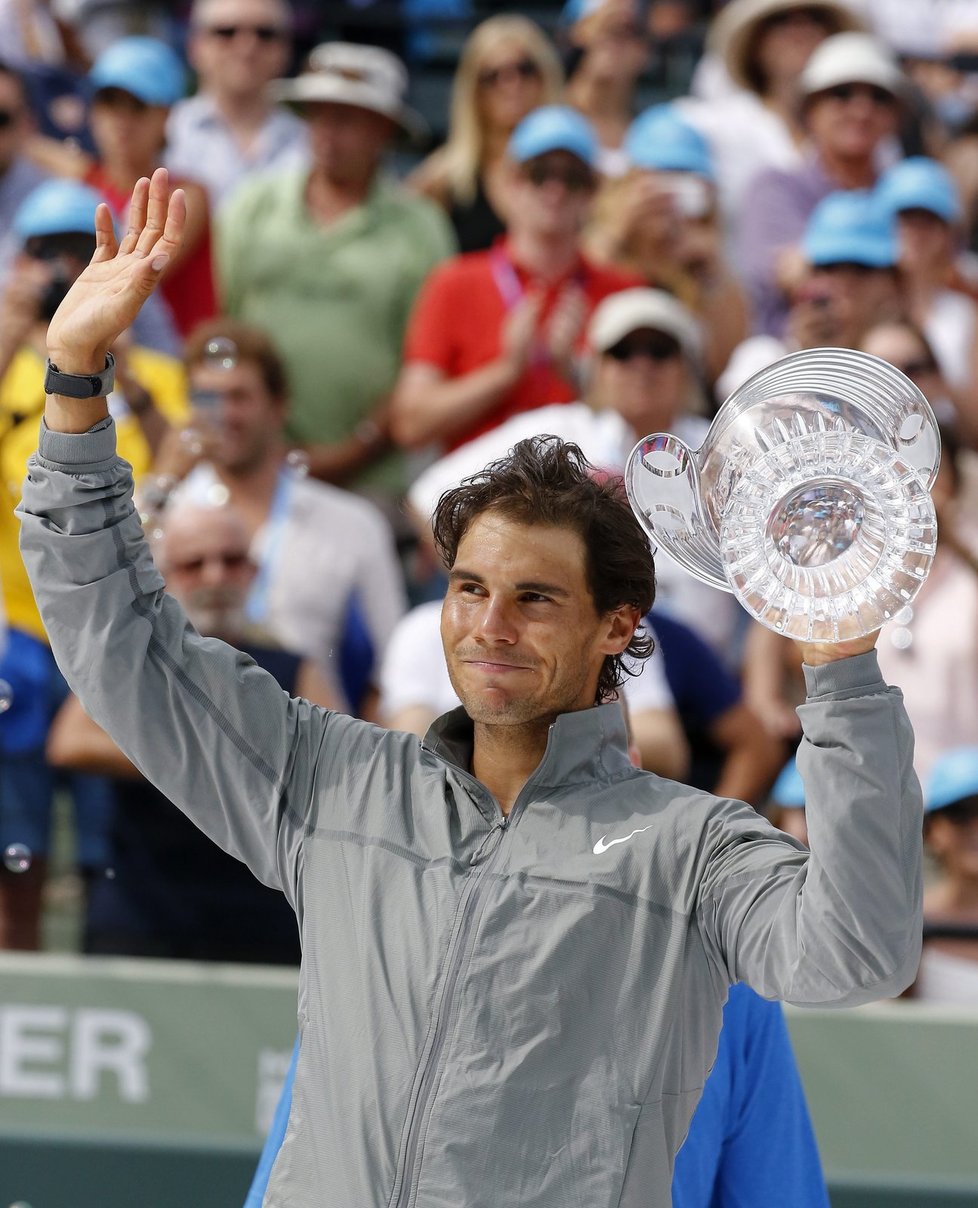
(328, 260)
(230, 128)
(851, 91)
(497, 333)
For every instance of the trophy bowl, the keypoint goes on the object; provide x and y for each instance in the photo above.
(809, 499)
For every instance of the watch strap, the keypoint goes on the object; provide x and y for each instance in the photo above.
(80, 385)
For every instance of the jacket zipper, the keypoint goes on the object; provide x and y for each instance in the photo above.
(402, 1194)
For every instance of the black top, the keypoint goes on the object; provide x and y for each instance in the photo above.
(477, 225)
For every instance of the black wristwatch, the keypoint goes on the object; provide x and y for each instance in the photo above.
(81, 385)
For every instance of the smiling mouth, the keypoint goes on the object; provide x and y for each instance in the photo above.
(492, 665)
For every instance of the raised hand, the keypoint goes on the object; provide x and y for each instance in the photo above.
(107, 296)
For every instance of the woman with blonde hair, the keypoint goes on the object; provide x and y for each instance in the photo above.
(508, 66)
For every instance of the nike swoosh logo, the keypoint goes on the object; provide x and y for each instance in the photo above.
(604, 842)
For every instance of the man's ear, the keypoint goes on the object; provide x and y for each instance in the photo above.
(621, 625)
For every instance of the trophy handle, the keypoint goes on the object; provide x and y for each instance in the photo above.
(662, 480)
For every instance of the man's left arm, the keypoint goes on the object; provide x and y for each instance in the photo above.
(840, 925)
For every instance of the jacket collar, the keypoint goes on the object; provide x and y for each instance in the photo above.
(587, 745)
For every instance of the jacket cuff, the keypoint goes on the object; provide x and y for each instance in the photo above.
(78, 451)
(858, 675)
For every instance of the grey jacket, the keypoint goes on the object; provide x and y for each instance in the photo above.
(493, 1011)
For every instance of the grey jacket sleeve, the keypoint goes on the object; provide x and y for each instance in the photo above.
(215, 733)
(841, 925)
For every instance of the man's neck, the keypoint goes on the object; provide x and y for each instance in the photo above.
(253, 488)
(548, 259)
(329, 199)
(850, 172)
(245, 113)
(505, 757)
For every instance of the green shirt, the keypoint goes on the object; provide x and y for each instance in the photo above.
(335, 298)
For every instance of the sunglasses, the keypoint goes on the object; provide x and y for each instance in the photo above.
(846, 92)
(655, 347)
(914, 369)
(523, 69)
(574, 180)
(7, 118)
(264, 33)
(961, 813)
(232, 560)
(70, 246)
(800, 16)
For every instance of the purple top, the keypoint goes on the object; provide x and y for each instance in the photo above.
(776, 208)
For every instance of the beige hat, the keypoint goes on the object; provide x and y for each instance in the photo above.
(736, 27)
(629, 310)
(851, 59)
(347, 73)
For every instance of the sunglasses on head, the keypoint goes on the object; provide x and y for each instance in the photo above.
(575, 179)
(264, 33)
(846, 92)
(656, 346)
(523, 69)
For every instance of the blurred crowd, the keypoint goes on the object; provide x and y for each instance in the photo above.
(418, 232)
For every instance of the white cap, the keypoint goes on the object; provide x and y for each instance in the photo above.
(851, 58)
(632, 309)
(347, 73)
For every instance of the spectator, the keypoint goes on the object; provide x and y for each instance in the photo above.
(18, 176)
(135, 82)
(851, 89)
(54, 227)
(231, 129)
(328, 261)
(763, 46)
(645, 350)
(949, 961)
(849, 281)
(609, 51)
(660, 220)
(507, 68)
(497, 333)
(922, 197)
(173, 893)
(329, 583)
(786, 807)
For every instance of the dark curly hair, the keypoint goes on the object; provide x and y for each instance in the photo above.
(546, 480)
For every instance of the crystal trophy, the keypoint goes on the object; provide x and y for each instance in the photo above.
(809, 499)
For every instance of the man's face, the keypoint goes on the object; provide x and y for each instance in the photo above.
(238, 46)
(552, 195)
(208, 569)
(522, 638)
(860, 296)
(248, 418)
(346, 141)
(13, 121)
(643, 377)
(850, 120)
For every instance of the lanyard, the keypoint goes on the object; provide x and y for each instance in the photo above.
(256, 608)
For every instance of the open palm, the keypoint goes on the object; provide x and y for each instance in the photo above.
(107, 296)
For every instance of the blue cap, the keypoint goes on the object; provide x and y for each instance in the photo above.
(57, 207)
(919, 183)
(145, 67)
(952, 778)
(660, 138)
(554, 128)
(851, 227)
(789, 791)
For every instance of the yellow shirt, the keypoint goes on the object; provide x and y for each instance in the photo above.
(21, 405)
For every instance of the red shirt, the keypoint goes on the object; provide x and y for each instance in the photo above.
(457, 321)
(189, 289)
